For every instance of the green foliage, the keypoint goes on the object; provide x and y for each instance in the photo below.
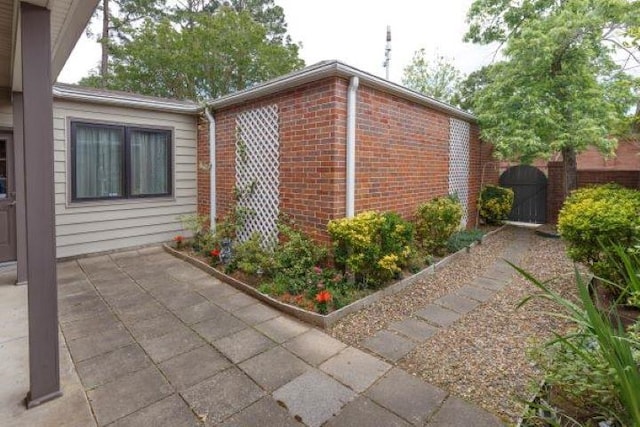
(199, 55)
(373, 246)
(438, 79)
(463, 238)
(558, 88)
(251, 258)
(297, 253)
(198, 225)
(593, 216)
(468, 88)
(593, 367)
(435, 222)
(495, 203)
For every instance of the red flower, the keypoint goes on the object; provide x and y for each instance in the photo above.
(178, 239)
(317, 270)
(323, 297)
(215, 253)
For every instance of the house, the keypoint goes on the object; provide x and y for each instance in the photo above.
(330, 141)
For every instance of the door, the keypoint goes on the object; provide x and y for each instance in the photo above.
(529, 185)
(7, 200)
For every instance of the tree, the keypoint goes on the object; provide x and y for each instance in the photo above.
(558, 88)
(214, 55)
(438, 79)
(467, 89)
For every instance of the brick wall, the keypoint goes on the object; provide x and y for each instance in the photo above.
(555, 190)
(402, 152)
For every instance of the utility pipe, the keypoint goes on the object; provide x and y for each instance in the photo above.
(352, 101)
(212, 167)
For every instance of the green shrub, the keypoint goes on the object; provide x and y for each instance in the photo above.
(198, 225)
(251, 258)
(495, 203)
(297, 253)
(373, 246)
(463, 238)
(595, 216)
(435, 222)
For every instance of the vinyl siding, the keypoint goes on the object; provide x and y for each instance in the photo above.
(6, 115)
(89, 227)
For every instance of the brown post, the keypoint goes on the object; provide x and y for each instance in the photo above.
(44, 369)
(21, 227)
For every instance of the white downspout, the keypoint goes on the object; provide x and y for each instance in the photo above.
(212, 167)
(351, 145)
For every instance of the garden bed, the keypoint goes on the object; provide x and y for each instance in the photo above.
(317, 319)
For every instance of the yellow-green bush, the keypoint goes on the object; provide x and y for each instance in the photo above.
(495, 203)
(435, 222)
(373, 246)
(595, 216)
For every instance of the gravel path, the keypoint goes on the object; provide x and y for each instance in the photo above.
(482, 357)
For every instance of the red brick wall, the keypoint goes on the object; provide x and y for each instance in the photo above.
(627, 158)
(555, 190)
(204, 183)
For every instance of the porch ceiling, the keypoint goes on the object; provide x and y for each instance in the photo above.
(68, 20)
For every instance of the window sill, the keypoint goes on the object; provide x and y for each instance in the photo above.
(111, 202)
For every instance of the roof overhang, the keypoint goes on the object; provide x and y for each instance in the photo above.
(326, 69)
(68, 20)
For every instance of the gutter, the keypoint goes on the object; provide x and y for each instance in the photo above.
(212, 168)
(352, 102)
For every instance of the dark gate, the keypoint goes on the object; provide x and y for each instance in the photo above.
(529, 185)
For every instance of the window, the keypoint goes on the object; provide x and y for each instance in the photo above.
(116, 162)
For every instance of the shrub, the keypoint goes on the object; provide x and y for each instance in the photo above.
(297, 253)
(595, 216)
(463, 238)
(435, 222)
(198, 225)
(372, 246)
(495, 203)
(251, 258)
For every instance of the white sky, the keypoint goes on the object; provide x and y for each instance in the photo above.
(354, 31)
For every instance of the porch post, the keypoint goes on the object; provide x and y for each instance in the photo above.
(21, 228)
(44, 369)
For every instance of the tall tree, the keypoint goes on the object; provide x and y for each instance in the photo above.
(437, 78)
(559, 88)
(216, 53)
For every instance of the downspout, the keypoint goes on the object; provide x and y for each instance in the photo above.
(352, 103)
(212, 167)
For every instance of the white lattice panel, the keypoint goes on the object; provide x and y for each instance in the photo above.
(459, 135)
(257, 172)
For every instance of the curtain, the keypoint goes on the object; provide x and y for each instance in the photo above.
(98, 162)
(149, 162)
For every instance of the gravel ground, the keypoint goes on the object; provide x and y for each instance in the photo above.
(482, 357)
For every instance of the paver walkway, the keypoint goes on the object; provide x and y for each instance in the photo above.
(401, 337)
(156, 341)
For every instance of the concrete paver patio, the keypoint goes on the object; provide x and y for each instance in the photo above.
(155, 341)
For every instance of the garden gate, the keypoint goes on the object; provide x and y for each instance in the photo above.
(529, 185)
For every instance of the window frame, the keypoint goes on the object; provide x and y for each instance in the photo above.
(126, 167)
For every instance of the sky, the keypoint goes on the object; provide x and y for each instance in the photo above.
(354, 31)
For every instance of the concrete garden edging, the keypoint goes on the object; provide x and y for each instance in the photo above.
(321, 320)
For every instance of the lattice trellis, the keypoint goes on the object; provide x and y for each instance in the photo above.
(257, 172)
(459, 134)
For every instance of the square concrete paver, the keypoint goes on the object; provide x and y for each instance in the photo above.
(236, 302)
(128, 394)
(355, 368)
(364, 412)
(457, 303)
(456, 412)
(256, 313)
(197, 313)
(314, 347)
(475, 292)
(389, 345)
(91, 326)
(219, 326)
(94, 345)
(313, 397)
(156, 327)
(166, 346)
(171, 411)
(415, 329)
(194, 366)
(137, 313)
(274, 368)
(110, 366)
(217, 293)
(222, 395)
(489, 283)
(181, 300)
(282, 328)
(243, 345)
(265, 412)
(438, 315)
(408, 396)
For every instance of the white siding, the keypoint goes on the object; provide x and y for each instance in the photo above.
(88, 227)
(6, 115)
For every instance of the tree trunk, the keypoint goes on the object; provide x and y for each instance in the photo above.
(635, 127)
(104, 41)
(570, 166)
